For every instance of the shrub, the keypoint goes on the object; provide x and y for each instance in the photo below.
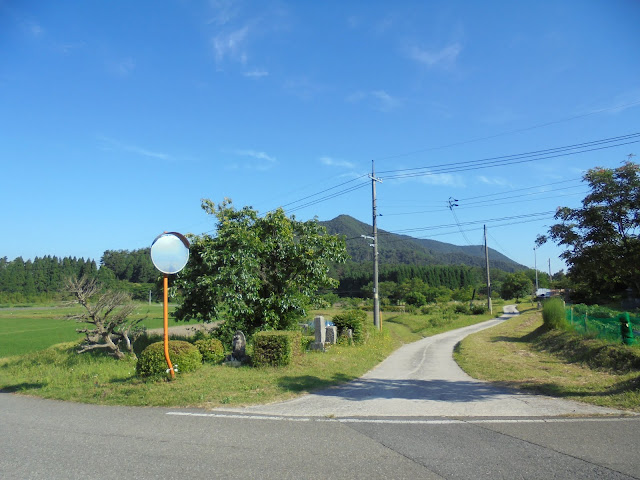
(479, 309)
(353, 319)
(553, 314)
(275, 348)
(211, 350)
(185, 356)
(462, 308)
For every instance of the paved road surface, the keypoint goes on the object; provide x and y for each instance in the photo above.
(397, 422)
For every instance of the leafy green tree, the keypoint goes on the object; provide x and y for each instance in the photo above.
(516, 285)
(601, 237)
(257, 273)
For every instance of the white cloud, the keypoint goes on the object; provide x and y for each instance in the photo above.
(303, 87)
(444, 57)
(257, 160)
(123, 67)
(443, 179)
(232, 45)
(494, 181)
(256, 74)
(332, 162)
(112, 144)
(435, 179)
(33, 28)
(380, 99)
(224, 11)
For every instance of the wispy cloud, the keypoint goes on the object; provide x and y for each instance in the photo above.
(501, 182)
(379, 99)
(232, 45)
(622, 102)
(445, 179)
(112, 144)
(444, 57)
(435, 179)
(256, 74)
(332, 162)
(224, 11)
(33, 28)
(254, 160)
(303, 87)
(122, 67)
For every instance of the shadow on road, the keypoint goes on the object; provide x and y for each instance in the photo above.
(439, 390)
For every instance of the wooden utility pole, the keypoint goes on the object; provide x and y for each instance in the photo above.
(486, 256)
(376, 299)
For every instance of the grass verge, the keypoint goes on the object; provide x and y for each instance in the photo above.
(521, 353)
(59, 373)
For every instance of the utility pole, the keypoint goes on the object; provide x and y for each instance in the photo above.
(486, 256)
(535, 267)
(376, 299)
(549, 271)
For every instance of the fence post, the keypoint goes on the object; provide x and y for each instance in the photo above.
(625, 329)
(585, 322)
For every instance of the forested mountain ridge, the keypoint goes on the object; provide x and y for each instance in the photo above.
(403, 249)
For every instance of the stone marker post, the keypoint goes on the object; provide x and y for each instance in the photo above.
(319, 327)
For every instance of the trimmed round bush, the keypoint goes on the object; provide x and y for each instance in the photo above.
(211, 350)
(184, 356)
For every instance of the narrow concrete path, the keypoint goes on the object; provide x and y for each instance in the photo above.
(422, 379)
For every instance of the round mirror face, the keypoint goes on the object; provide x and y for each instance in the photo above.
(169, 254)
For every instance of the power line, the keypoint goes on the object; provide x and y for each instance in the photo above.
(513, 158)
(510, 132)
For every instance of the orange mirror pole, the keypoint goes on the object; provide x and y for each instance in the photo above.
(166, 325)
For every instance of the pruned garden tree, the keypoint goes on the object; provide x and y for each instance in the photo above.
(256, 273)
(601, 237)
(107, 314)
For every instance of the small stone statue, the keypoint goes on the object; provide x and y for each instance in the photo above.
(239, 345)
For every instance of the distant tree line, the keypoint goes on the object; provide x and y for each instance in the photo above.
(41, 279)
(133, 271)
(354, 277)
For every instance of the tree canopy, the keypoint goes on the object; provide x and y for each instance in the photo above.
(601, 237)
(256, 273)
(516, 285)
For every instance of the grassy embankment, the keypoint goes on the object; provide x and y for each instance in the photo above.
(521, 353)
(58, 372)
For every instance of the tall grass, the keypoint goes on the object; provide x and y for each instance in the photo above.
(553, 314)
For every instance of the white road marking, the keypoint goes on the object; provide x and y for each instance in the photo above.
(404, 421)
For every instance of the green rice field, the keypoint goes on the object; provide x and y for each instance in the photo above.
(30, 329)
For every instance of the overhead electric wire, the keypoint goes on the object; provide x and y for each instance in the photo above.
(511, 159)
(468, 165)
(473, 222)
(454, 231)
(323, 191)
(489, 203)
(510, 132)
(328, 197)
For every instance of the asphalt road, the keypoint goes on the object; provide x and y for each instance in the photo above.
(42, 439)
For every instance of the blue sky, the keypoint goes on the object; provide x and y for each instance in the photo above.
(116, 118)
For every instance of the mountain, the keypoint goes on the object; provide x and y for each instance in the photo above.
(403, 249)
